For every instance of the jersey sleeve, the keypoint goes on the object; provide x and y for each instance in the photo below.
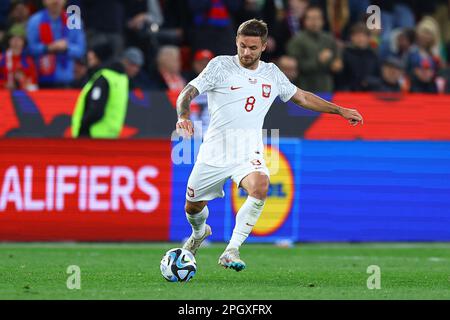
(286, 89)
(210, 77)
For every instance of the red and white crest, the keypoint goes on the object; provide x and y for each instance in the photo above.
(190, 192)
(266, 89)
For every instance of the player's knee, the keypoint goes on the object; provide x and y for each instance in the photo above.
(194, 207)
(259, 188)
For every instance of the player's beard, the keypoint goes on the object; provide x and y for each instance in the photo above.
(247, 63)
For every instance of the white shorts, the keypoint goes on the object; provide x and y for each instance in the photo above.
(206, 182)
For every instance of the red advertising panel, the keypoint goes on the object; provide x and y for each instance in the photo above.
(84, 190)
(387, 117)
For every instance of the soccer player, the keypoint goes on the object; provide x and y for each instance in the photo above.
(240, 91)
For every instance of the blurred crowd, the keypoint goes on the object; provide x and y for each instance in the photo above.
(321, 45)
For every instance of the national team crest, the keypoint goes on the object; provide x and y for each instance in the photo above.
(266, 89)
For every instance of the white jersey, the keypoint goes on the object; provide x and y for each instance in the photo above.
(238, 101)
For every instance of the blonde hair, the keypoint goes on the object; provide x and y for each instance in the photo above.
(429, 24)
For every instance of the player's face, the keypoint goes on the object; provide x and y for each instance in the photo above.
(249, 50)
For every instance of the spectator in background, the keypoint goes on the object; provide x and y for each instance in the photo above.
(104, 21)
(19, 14)
(138, 77)
(290, 25)
(133, 60)
(168, 76)
(54, 46)
(424, 61)
(400, 44)
(392, 77)
(316, 54)
(213, 20)
(17, 69)
(361, 65)
(289, 67)
(201, 59)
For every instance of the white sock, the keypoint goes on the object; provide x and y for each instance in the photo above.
(197, 222)
(246, 218)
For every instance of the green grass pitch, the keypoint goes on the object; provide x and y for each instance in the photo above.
(306, 271)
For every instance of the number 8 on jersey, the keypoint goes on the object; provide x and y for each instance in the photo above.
(250, 104)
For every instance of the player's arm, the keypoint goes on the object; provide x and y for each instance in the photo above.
(310, 101)
(183, 102)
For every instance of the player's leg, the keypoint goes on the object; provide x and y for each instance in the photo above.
(205, 183)
(256, 184)
(196, 214)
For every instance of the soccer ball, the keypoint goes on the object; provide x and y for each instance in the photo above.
(178, 265)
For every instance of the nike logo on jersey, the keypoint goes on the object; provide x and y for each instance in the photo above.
(235, 88)
(250, 225)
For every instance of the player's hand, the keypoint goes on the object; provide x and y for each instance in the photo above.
(185, 128)
(352, 115)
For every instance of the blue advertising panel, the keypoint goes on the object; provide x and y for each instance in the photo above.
(339, 191)
(374, 191)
